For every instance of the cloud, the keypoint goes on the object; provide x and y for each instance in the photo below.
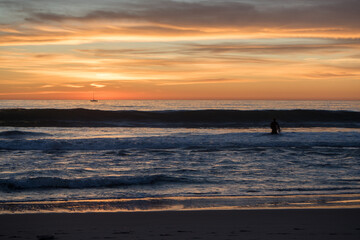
(73, 86)
(325, 47)
(97, 85)
(328, 75)
(165, 20)
(219, 80)
(230, 14)
(188, 63)
(47, 86)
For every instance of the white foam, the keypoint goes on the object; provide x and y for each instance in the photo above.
(227, 140)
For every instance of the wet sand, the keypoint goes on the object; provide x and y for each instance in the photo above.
(230, 224)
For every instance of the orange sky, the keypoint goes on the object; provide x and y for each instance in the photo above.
(180, 49)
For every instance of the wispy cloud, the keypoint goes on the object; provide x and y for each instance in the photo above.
(97, 85)
(47, 86)
(174, 20)
(73, 86)
(341, 13)
(193, 62)
(326, 47)
(175, 48)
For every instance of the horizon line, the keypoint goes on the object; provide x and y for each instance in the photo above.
(181, 99)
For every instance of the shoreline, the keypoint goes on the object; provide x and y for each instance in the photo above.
(174, 210)
(184, 203)
(205, 224)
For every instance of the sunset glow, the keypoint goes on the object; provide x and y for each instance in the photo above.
(193, 49)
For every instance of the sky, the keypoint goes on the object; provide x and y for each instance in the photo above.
(180, 49)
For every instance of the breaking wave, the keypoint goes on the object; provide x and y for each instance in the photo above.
(209, 141)
(184, 118)
(76, 183)
(21, 134)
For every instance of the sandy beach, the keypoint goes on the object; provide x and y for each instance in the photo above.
(227, 224)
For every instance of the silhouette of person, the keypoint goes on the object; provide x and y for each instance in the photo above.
(275, 127)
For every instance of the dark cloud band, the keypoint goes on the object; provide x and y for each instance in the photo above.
(232, 14)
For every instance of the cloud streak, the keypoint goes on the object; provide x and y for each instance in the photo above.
(162, 19)
(175, 48)
(224, 14)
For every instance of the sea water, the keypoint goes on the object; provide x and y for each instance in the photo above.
(78, 156)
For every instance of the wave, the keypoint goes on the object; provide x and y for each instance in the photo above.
(181, 203)
(185, 118)
(82, 183)
(22, 134)
(210, 142)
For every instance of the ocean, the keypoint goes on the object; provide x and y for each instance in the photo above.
(116, 155)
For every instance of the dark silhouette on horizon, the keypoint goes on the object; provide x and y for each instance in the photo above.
(275, 127)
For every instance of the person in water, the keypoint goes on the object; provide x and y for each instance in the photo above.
(275, 127)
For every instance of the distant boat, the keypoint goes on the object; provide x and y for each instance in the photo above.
(93, 99)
